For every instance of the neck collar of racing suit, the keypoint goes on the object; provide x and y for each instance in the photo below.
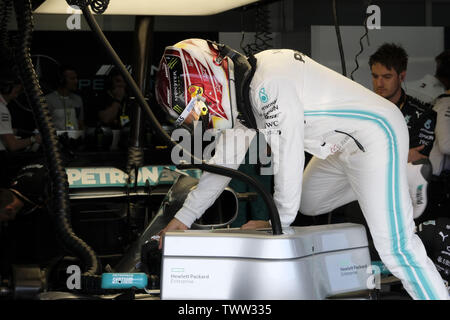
(244, 70)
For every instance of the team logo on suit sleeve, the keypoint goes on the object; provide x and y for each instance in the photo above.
(263, 95)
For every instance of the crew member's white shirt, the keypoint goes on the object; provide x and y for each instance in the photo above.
(65, 110)
(426, 89)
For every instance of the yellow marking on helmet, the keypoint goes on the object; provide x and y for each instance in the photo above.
(195, 91)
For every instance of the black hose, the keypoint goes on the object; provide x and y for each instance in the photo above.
(241, 176)
(274, 216)
(339, 39)
(58, 177)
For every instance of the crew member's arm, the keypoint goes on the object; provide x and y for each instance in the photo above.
(13, 144)
(108, 114)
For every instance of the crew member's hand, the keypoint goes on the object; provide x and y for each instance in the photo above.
(256, 224)
(173, 225)
(414, 154)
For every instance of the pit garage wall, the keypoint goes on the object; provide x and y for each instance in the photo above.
(421, 43)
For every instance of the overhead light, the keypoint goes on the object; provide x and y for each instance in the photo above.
(152, 7)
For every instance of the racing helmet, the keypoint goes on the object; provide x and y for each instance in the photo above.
(195, 82)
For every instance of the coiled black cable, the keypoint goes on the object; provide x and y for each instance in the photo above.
(60, 200)
(273, 212)
(361, 47)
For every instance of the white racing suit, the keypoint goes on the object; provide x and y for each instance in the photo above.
(360, 143)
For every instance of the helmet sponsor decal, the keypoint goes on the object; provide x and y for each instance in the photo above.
(195, 90)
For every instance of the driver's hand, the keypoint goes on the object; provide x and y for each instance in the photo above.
(256, 224)
(173, 225)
